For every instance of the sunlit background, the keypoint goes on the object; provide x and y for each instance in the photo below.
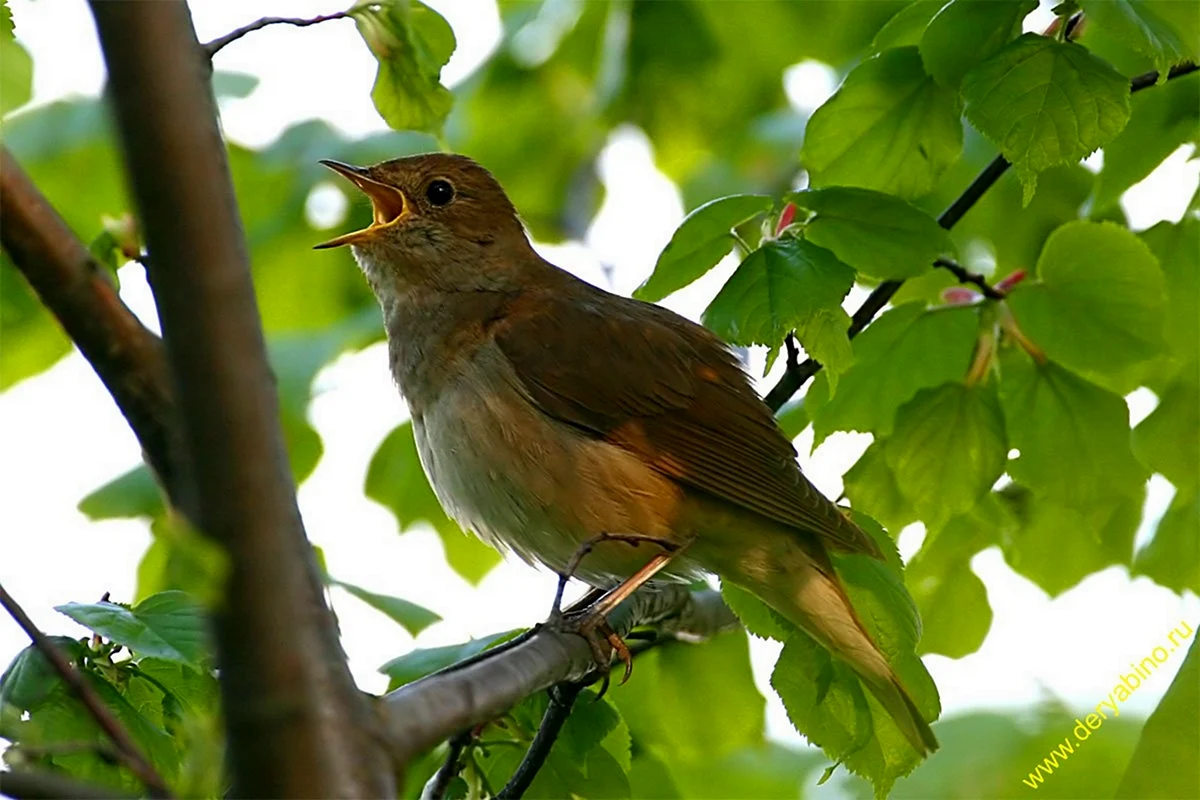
(61, 436)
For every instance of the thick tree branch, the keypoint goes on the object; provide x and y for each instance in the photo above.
(421, 714)
(211, 48)
(297, 726)
(128, 358)
(26, 784)
(795, 377)
(126, 750)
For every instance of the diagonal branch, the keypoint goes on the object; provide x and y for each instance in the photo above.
(419, 715)
(562, 700)
(297, 725)
(796, 376)
(27, 784)
(128, 358)
(126, 750)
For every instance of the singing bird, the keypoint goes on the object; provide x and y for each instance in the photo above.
(549, 413)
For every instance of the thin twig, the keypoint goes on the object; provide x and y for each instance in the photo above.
(211, 48)
(964, 275)
(795, 377)
(562, 699)
(126, 749)
(450, 768)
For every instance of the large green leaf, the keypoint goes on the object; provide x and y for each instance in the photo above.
(871, 488)
(1172, 558)
(1178, 250)
(168, 625)
(1161, 120)
(33, 341)
(30, 677)
(907, 25)
(396, 480)
(412, 43)
(905, 350)
(1045, 103)
(419, 663)
(1099, 304)
(1165, 763)
(702, 239)
(966, 32)
(877, 234)
(1056, 545)
(947, 450)
(1073, 436)
(780, 287)
(889, 127)
(1168, 440)
(1165, 30)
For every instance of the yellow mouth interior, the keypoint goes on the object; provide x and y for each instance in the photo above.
(389, 206)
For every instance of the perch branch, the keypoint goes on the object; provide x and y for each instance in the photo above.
(419, 715)
(297, 725)
(796, 376)
(126, 749)
(25, 784)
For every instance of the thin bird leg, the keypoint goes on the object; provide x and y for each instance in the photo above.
(573, 565)
(592, 623)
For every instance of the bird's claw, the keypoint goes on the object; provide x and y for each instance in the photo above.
(596, 631)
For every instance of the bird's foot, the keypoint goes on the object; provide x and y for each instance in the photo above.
(592, 624)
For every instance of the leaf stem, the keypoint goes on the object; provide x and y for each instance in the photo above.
(213, 47)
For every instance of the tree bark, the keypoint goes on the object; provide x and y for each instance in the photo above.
(296, 724)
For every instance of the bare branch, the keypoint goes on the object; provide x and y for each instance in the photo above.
(297, 726)
(562, 700)
(126, 750)
(796, 376)
(44, 785)
(450, 768)
(128, 358)
(964, 275)
(211, 48)
(421, 714)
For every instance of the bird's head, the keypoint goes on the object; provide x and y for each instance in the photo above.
(439, 220)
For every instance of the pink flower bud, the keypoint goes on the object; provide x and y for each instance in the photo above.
(1010, 280)
(960, 296)
(786, 218)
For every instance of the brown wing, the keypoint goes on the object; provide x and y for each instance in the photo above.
(670, 391)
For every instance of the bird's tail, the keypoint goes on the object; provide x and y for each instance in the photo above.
(810, 595)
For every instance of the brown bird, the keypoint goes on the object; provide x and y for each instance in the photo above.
(549, 413)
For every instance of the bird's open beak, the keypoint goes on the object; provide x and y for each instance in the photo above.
(389, 204)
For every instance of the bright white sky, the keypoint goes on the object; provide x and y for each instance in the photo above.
(61, 436)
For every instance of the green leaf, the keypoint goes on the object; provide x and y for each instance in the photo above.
(1164, 31)
(33, 341)
(825, 337)
(769, 771)
(180, 558)
(966, 32)
(905, 350)
(777, 289)
(758, 617)
(889, 127)
(955, 614)
(1168, 440)
(134, 494)
(16, 79)
(662, 709)
(236, 85)
(412, 43)
(30, 677)
(1161, 121)
(1056, 546)
(1178, 250)
(877, 234)
(871, 488)
(1100, 301)
(168, 625)
(419, 663)
(396, 480)
(701, 240)
(410, 616)
(1045, 103)
(947, 450)
(1073, 436)
(906, 26)
(1172, 558)
(793, 418)
(1164, 763)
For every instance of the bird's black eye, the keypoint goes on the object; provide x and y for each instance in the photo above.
(439, 192)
